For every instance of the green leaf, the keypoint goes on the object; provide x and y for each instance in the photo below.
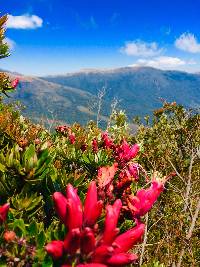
(41, 239)
(2, 168)
(33, 228)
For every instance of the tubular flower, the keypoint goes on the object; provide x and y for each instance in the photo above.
(62, 128)
(124, 152)
(84, 243)
(14, 83)
(72, 138)
(140, 204)
(107, 142)
(95, 146)
(55, 249)
(3, 212)
(92, 207)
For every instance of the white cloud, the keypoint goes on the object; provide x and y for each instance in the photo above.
(140, 48)
(25, 21)
(163, 62)
(10, 43)
(188, 42)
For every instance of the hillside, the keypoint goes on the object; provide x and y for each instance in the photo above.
(70, 97)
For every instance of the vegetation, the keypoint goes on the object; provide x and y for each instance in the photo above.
(80, 196)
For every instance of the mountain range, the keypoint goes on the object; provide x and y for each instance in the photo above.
(73, 96)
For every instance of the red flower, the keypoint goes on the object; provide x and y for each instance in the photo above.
(3, 212)
(124, 152)
(107, 142)
(72, 138)
(140, 204)
(94, 145)
(127, 240)
(14, 83)
(62, 128)
(55, 249)
(84, 241)
(60, 203)
(74, 208)
(111, 220)
(92, 207)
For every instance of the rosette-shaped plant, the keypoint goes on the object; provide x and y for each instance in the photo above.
(85, 243)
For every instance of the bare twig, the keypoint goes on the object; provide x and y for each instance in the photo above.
(190, 231)
(145, 240)
(100, 96)
(188, 188)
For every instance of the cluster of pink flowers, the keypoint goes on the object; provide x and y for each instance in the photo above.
(124, 152)
(85, 244)
(64, 129)
(107, 142)
(140, 204)
(128, 175)
(3, 212)
(14, 83)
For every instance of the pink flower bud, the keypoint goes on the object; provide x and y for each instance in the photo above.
(111, 220)
(60, 203)
(92, 207)
(74, 208)
(3, 212)
(122, 259)
(127, 240)
(55, 249)
(14, 83)
(87, 241)
(94, 145)
(72, 241)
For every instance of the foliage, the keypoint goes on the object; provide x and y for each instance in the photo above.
(170, 144)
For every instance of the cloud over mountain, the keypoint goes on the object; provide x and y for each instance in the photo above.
(141, 48)
(188, 42)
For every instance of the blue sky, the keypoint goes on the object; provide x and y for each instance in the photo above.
(59, 36)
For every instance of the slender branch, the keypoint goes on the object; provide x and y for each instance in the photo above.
(177, 173)
(190, 231)
(145, 240)
(188, 188)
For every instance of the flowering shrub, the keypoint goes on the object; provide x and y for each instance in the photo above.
(85, 241)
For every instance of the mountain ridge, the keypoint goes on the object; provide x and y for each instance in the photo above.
(70, 97)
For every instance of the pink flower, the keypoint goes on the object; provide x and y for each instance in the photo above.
(140, 204)
(94, 145)
(85, 243)
(92, 207)
(90, 265)
(107, 142)
(74, 208)
(55, 249)
(124, 152)
(14, 83)
(127, 240)
(72, 138)
(3, 212)
(62, 128)
(111, 220)
(60, 203)
(122, 259)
